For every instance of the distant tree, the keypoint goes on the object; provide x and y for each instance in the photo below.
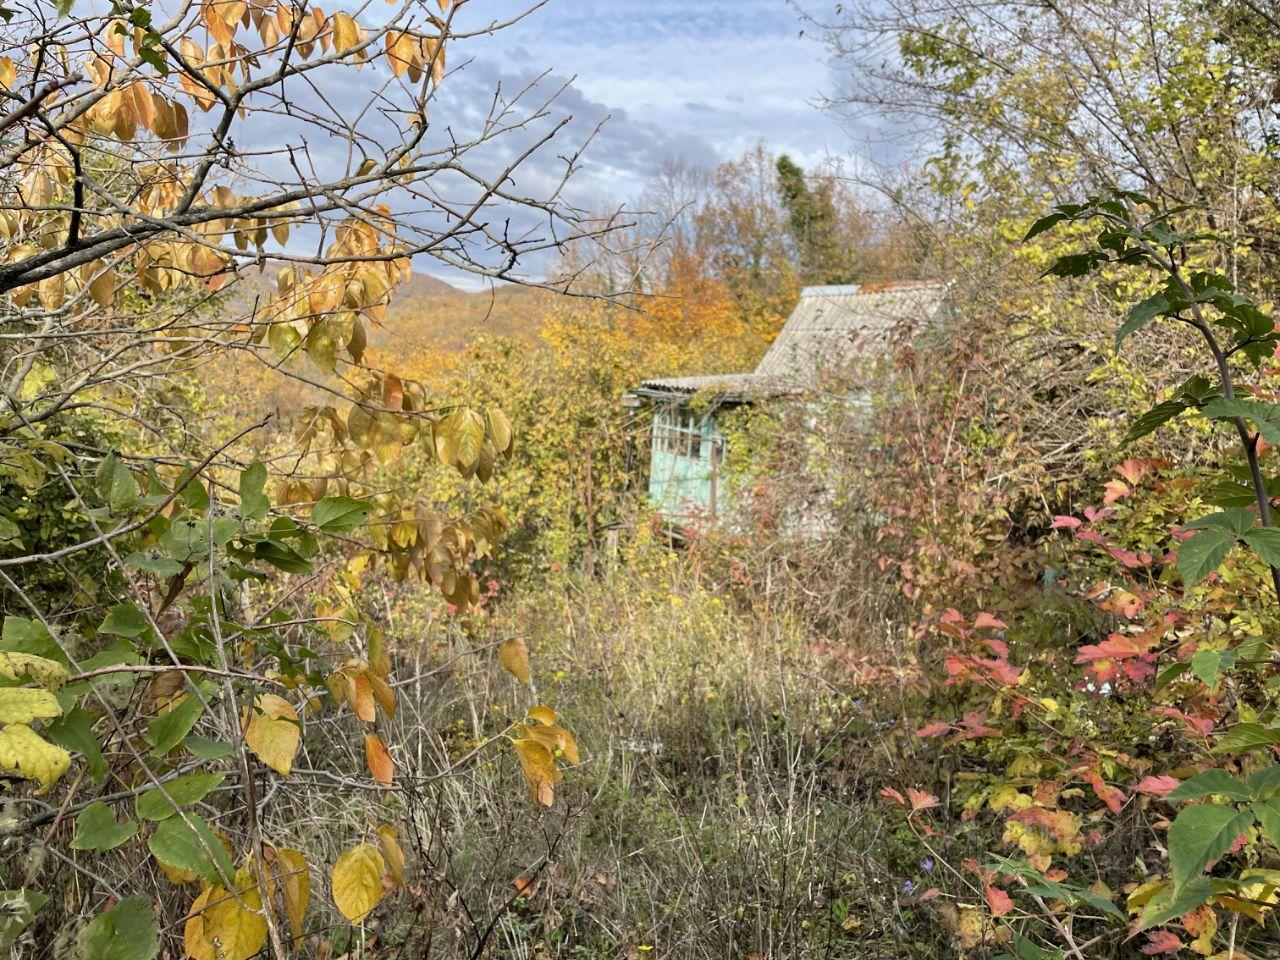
(814, 224)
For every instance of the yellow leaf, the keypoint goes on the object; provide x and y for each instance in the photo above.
(291, 868)
(539, 769)
(48, 673)
(514, 657)
(223, 926)
(26, 754)
(382, 693)
(360, 696)
(23, 704)
(391, 852)
(378, 759)
(357, 882)
(346, 33)
(273, 733)
(8, 73)
(543, 715)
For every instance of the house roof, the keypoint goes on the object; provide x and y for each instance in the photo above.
(830, 325)
(833, 325)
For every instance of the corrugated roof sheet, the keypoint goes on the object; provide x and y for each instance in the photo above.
(830, 325)
(729, 385)
(838, 324)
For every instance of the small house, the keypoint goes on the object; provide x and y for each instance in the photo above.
(831, 326)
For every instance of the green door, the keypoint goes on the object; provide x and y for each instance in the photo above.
(684, 464)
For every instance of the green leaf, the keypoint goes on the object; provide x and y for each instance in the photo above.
(1172, 902)
(1210, 782)
(1142, 314)
(206, 749)
(97, 829)
(1208, 665)
(1171, 673)
(1154, 418)
(160, 566)
(167, 731)
(1076, 264)
(1044, 223)
(64, 7)
(127, 931)
(125, 620)
(74, 731)
(17, 909)
(1236, 520)
(1201, 555)
(1268, 814)
(116, 483)
(1244, 737)
(1263, 783)
(1202, 834)
(183, 791)
(21, 635)
(191, 846)
(253, 502)
(339, 514)
(1265, 543)
(1264, 416)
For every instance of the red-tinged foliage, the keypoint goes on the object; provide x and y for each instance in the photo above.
(998, 902)
(1161, 942)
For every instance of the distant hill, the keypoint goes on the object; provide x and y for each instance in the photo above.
(429, 313)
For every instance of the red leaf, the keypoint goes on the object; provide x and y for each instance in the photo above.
(893, 795)
(999, 901)
(1162, 941)
(933, 730)
(920, 800)
(989, 620)
(1157, 786)
(1065, 523)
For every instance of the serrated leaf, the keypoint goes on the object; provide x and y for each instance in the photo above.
(1142, 314)
(1268, 814)
(1244, 737)
(1202, 554)
(1210, 782)
(187, 843)
(357, 882)
(1154, 418)
(127, 931)
(1047, 222)
(1209, 665)
(97, 829)
(1264, 783)
(272, 732)
(183, 791)
(1265, 543)
(1200, 835)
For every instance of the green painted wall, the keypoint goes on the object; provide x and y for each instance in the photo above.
(684, 466)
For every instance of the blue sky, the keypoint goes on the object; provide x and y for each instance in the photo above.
(699, 79)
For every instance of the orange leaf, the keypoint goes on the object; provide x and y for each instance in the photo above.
(378, 759)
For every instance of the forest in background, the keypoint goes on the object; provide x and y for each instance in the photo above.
(336, 623)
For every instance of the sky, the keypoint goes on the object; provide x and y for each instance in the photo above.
(701, 80)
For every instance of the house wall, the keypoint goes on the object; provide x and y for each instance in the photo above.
(686, 451)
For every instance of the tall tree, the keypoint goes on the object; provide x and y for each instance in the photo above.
(814, 225)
